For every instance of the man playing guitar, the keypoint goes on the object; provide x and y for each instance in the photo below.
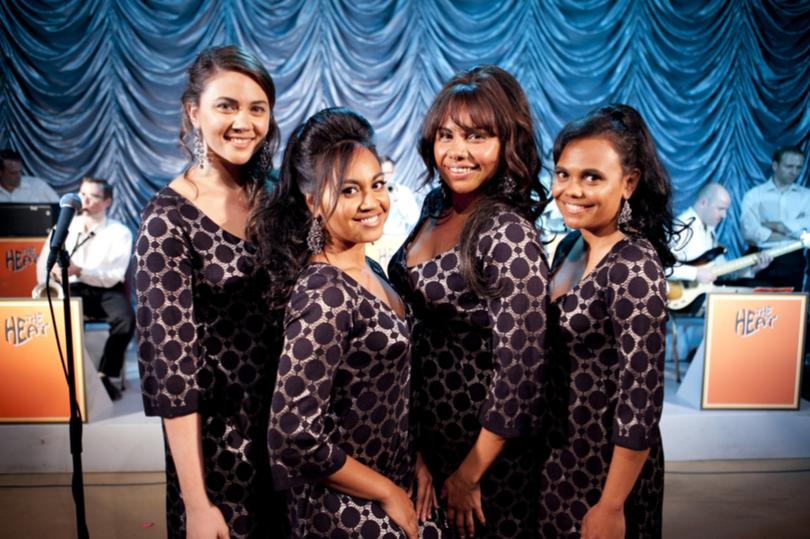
(697, 248)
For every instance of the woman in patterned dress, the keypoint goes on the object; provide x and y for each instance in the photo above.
(206, 348)
(475, 274)
(339, 436)
(605, 475)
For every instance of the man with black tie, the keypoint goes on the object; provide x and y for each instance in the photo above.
(100, 248)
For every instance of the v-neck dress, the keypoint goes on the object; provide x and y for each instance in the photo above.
(206, 345)
(478, 362)
(606, 388)
(343, 389)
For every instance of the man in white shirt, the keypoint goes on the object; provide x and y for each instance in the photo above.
(14, 187)
(776, 213)
(698, 236)
(404, 211)
(100, 248)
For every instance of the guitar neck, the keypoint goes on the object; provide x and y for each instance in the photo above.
(750, 260)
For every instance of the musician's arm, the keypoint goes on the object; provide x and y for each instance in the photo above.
(683, 272)
(801, 223)
(753, 230)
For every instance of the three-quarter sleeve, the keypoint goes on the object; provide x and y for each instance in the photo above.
(636, 299)
(513, 258)
(174, 376)
(302, 430)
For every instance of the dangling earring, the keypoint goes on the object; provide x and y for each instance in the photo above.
(198, 149)
(265, 156)
(315, 236)
(626, 215)
(509, 185)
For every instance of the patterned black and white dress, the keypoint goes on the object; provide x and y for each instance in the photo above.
(343, 389)
(206, 345)
(606, 388)
(477, 363)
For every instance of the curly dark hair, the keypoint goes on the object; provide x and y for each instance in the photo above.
(651, 201)
(495, 104)
(209, 63)
(317, 156)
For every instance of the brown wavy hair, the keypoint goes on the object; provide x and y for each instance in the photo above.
(209, 63)
(496, 104)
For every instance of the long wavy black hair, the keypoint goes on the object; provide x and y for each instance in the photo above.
(317, 157)
(651, 202)
(495, 104)
(209, 63)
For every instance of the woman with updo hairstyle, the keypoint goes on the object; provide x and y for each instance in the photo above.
(475, 274)
(339, 436)
(605, 475)
(207, 352)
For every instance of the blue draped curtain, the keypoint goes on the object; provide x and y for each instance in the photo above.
(93, 87)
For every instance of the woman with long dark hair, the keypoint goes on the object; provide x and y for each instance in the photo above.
(475, 274)
(206, 348)
(605, 475)
(339, 436)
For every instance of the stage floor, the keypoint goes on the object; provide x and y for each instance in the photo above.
(120, 438)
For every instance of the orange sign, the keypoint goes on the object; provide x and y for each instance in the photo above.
(33, 385)
(18, 270)
(754, 350)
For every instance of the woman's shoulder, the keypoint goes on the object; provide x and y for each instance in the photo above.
(506, 225)
(165, 200)
(321, 284)
(636, 249)
(505, 216)
(635, 268)
(172, 208)
(317, 277)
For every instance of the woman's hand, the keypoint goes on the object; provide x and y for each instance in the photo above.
(463, 503)
(602, 522)
(398, 505)
(425, 493)
(206, 522)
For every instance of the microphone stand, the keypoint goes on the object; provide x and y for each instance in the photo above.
(75, 429)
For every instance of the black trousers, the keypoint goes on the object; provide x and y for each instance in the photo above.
(112, 306)
(787, 270)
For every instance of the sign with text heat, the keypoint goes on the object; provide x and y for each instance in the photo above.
(18, 267)
(33, 385)
(754, 351)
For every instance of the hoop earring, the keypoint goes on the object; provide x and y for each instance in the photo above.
(315, 236)
(198, 149)
(626, 215)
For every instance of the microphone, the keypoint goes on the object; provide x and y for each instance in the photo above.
(70, 204)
